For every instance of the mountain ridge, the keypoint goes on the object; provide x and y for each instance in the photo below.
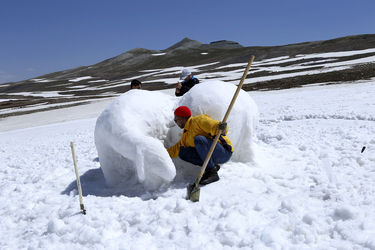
(160, 69)
(342, 44)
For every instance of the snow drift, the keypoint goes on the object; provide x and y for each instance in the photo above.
(132, 133)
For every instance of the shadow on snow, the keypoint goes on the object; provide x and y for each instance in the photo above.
(93, 183)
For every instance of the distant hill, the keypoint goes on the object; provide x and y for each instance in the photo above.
(338, 60)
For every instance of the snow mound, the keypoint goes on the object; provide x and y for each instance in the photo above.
(128, 138)
(213, 98)
(132, 133)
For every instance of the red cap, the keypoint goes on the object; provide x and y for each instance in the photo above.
(182, 111)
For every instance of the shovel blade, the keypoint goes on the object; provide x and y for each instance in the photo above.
(193, 193)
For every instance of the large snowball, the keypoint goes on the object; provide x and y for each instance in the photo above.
(129, 138)
(131, 134)
(213, 98)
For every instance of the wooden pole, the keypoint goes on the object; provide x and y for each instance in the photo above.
(78, 180)
(224, 120)
(219, 133)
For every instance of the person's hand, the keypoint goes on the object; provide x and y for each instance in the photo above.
(222, 127)
(178, 88)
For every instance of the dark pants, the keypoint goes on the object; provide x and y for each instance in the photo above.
(196, 155)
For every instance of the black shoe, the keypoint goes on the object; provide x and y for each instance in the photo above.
(217, 167)
(210, 175)
(209, 170)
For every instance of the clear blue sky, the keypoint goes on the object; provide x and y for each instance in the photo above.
(44, 36)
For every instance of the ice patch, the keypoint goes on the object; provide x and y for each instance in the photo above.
(159, 54)
(80, 78)
(41, 80)
(98, 81)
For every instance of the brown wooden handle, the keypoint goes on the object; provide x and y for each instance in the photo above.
(224, 120)
(238, 88)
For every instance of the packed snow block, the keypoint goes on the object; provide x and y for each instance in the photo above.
(129, 138)
(213, 98)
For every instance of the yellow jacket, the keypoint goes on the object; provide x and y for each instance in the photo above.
(198, 125)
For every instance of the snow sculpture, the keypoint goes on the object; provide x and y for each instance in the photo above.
(213, 98)
(128, 138)
(130, 133)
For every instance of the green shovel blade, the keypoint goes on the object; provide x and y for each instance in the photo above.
(193, 192)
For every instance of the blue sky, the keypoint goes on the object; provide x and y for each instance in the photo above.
(44, 36)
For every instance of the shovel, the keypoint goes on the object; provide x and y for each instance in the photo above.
(193, 190)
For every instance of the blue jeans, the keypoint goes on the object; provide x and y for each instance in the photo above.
(196, 155)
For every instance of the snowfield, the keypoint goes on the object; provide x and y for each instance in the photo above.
(309, 186)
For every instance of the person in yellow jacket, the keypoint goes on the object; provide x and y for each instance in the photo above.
(196, 141)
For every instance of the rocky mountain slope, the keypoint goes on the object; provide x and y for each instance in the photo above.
(276, 67)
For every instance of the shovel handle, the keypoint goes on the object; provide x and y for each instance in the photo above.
(224, 120)
(238, 89)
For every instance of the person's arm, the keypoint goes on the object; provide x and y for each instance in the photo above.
(211, 126)
(184, 87)
(174, 150)
(178, 89)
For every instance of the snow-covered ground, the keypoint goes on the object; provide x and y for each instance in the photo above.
(310, 186)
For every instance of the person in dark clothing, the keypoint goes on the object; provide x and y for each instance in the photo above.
(187, 81)
(135, 84)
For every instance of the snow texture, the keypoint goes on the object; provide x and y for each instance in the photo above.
(311, 187)
(131, 134)
(128, 137)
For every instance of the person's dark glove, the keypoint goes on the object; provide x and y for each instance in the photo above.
(222, 127)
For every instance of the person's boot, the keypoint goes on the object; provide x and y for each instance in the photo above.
(210, 175)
